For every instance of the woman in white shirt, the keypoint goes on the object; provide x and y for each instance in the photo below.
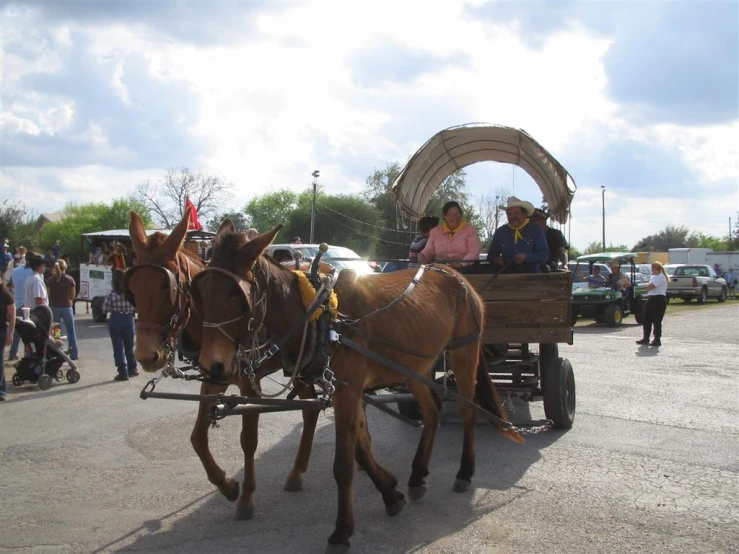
(656, 305)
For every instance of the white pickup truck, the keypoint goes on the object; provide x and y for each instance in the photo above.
(696, 281)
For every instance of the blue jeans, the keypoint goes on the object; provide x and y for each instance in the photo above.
(3, 334)
(16, 337)
(122, 332)
(65, 316)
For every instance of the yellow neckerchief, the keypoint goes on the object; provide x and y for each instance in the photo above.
(462, 225)
(308, 293)
(517, 231)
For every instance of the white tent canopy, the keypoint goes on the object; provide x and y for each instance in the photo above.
(457, 147)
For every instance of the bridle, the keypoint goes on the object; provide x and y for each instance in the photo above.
(254, 294)
(179, 296)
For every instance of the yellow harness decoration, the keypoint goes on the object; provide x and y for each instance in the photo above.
(517, 231)
(308, 293)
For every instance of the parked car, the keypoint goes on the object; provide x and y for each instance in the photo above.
(338, 256)
(696, 281)
(670, 268)
(390, 266)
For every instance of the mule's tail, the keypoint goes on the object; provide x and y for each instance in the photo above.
(488, 399)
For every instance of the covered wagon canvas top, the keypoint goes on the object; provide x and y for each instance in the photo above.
(457, 147)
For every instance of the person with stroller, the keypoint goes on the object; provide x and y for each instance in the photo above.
(122, 329)
(62, 291)
(7, 328)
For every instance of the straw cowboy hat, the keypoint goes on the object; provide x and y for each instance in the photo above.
(514, 202)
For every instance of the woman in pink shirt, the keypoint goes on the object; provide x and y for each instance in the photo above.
(454, 240)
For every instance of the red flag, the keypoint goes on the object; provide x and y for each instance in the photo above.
(194, 223)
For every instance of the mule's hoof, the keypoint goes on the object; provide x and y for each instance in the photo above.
(233, 493)
(416, 493)
(461, 485)
(293, 484)
(337, 549)
(395, 508)
(244, 514)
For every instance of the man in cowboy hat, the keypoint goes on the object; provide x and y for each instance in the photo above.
(518, 246)
(555, 241)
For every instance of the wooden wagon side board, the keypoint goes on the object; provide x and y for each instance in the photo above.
(533, 307)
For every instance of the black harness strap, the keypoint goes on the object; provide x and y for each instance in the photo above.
(433, 385)
(406, 292)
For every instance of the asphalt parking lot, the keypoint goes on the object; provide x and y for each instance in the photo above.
(651, 464)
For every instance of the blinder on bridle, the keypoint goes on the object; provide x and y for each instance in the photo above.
(171, 278)
(243, 285)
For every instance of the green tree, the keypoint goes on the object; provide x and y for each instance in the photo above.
(241, 221)
(670, 237)
(707, 241)
(342, 220)
(269, 210)
(88, 218)
(18, 225)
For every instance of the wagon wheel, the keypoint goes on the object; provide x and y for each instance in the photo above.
(44, 382)
(73, 375)
(559, 393)
(17, 381)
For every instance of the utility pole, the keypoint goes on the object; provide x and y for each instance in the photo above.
(313, 209)
(730, 237)
(603, 203)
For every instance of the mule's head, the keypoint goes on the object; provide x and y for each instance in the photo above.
(231, 295)
(149, 286)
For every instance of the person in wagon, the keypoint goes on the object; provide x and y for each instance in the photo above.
(556, 241)
(425, 224)
(454, 241)
(518, 246)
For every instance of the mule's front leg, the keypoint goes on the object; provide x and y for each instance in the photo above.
(294, 480)
(199, 440)
(346, 406)
(249, 441)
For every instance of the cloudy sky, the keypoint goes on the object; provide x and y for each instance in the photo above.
(642, 98)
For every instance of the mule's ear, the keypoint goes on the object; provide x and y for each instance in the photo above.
(256, 246)
(172, 243)
(137, 232)
(226, 228)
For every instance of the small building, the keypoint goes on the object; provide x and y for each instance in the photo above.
(650, 257)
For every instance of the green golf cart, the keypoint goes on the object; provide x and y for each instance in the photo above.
(608, 303)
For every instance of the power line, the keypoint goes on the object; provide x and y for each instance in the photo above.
(364, 222)
(359, 231)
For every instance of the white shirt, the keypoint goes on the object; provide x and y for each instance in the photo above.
(660, 285)
(35, 288)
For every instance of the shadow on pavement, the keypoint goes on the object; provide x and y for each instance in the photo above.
(56, 389)
(301, 522)
(599, 329)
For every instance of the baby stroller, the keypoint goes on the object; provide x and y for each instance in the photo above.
(44, 354)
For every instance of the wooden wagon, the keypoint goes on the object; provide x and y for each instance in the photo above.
(527, 315)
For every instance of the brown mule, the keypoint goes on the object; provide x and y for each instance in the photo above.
(441, 309)
(151, 289)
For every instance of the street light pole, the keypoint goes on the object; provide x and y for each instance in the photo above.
(603, 204)
(313, 209)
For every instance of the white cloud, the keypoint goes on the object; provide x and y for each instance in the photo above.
(283, 101)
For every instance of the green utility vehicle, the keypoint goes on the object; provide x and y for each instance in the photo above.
(610, 300)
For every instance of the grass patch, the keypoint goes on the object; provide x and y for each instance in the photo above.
(677, 306)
